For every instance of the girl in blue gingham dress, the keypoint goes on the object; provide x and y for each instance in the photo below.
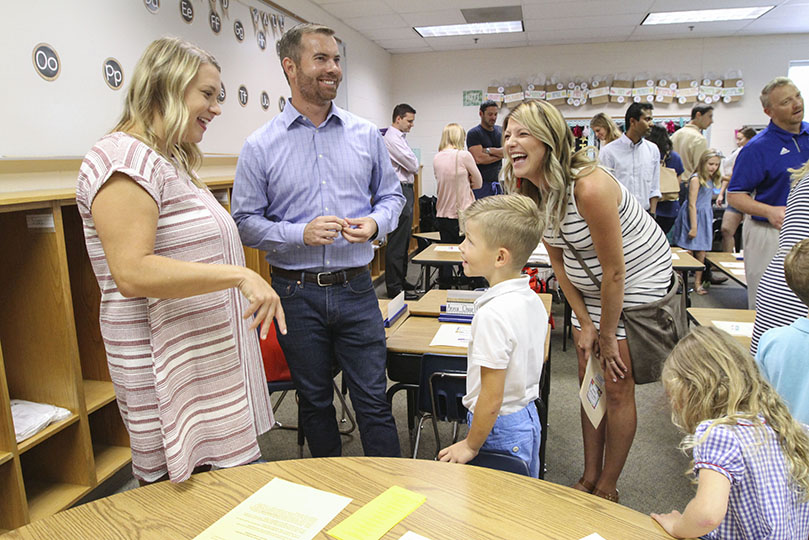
(751, 458)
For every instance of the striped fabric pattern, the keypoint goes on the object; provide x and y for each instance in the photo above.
(776, 304)
(647, 256)
(187, 372)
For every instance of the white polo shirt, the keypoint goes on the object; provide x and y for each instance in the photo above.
(508, 332)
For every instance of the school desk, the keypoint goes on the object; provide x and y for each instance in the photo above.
(706, 317)
(728, 264)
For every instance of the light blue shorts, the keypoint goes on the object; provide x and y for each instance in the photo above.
(518, 434)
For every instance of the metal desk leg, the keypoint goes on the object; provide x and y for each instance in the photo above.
(686, 298)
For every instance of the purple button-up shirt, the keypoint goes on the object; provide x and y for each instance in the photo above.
(402, 157)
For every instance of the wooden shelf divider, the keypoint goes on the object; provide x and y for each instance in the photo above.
(5, 457)
(97, 394)
(46, 433)
(110, 459)
(45, 499)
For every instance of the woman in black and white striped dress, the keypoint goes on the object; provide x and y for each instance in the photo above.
(623, 246)
(776, 304)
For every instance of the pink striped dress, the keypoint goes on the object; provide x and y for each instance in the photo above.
(187, 372)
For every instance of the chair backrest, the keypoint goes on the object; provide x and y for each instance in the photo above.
(501, 461)
(275, 363)
(442, 386)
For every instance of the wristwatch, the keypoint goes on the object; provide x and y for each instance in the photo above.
(487, 151)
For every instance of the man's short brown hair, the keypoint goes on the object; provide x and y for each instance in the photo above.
(289, 46)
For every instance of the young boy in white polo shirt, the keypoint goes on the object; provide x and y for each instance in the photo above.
(507, 349)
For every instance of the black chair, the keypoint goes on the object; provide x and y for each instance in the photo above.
(501, 461)
(442, 386)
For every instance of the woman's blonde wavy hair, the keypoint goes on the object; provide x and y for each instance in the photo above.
(709, 376)
(453, 136)
(603, 120)
(157, 89)
(560, 167)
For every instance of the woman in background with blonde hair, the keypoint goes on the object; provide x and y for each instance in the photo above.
(456, 175)
(178, 308)
(751, 458)
(607, 253)
(605, 129)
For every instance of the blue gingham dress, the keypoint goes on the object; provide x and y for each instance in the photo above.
(762, 505)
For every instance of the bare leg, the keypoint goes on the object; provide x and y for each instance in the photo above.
(621, 421)
(700, 256)
(730, 222)
(593, 437)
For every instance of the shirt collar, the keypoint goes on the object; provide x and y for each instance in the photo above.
(802, 324)
(628, 142)
(788, 134)
(397, 131)
(290, 115)
(504, 287)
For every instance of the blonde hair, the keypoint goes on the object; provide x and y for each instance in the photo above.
(509, 221)
(796, 270)
(157, 89)
(799, 174)
(453, 136)
(560, 167)
(603, 120)
(710, 377)
(702, 167)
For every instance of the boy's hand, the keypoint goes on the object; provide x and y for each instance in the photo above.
(460, 452)
(668, 521)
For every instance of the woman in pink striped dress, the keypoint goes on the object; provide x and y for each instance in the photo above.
(178, 308)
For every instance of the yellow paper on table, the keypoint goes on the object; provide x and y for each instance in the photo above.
(379, 516)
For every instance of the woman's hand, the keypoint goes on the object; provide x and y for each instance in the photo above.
(611, 362)
(264, 303)
(692, 233)
(588, 340)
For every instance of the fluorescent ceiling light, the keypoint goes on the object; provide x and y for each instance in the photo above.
(503, 27)
(706, 15)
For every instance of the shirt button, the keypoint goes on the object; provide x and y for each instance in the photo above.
(515, 449)
(320, 155)
(326, 209)
(328, 262)
(323, 182)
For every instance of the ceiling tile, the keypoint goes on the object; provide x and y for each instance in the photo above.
(358, 8)
(403, 32)
(430, 18)
(361, 24)
(587, 23)
(577, 9)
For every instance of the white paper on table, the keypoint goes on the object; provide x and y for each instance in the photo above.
(592, 392)
(737, 272)
(594, 536)
(447, 248)
(452, 335)
(410, 535)
(737, 264)
(675, 257)
(280, 510)
(735, 328)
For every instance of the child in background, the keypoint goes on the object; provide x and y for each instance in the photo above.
(782, 352)
(693, 229)
(507, 348)
(751, 458)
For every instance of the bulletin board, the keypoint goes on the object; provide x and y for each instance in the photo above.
(67, 66)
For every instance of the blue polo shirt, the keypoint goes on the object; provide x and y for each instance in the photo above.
(761, 168)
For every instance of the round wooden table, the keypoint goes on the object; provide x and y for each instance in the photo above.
(463, 502)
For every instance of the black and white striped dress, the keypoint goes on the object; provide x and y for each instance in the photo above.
(776, 304)
(647, 256)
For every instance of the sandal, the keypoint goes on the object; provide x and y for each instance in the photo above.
(588, 486)
(612, 497)
(701, 291)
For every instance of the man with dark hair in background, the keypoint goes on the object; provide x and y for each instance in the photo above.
(485, 143)
(634, 161)
(406, 165)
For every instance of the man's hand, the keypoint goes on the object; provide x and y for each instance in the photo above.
(359, 230)
(323, 230)
(776, 216)
(460, 452)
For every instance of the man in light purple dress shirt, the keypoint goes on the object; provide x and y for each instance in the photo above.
(314, 186)
(406, 165)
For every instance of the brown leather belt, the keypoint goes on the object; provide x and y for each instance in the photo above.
(323, 279)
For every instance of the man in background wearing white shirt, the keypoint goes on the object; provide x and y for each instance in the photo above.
(634, 161)
(406, 166)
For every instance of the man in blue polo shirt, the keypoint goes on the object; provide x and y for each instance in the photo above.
(761, 179)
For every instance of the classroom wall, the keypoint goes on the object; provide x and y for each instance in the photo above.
(63, 118)
(433, 82)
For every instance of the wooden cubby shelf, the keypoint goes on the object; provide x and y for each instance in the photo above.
(97, 394)
(110, 459)
(43, 435)
(5, 457)
(45, 498)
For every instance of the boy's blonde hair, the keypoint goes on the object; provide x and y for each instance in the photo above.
(509, 221)
(158, 89)
(453, 136)
(561, 166)
(709, 376)
(702, 173)
(796, 270)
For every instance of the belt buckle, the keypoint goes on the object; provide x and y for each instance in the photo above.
(319, 284)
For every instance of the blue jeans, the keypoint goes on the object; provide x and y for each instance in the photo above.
(338, 325)
(518, 434)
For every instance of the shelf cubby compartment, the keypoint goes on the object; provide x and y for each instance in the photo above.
(111, 450)
(46, 433)
(13, 509)
(56, 472)
(97, 394)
